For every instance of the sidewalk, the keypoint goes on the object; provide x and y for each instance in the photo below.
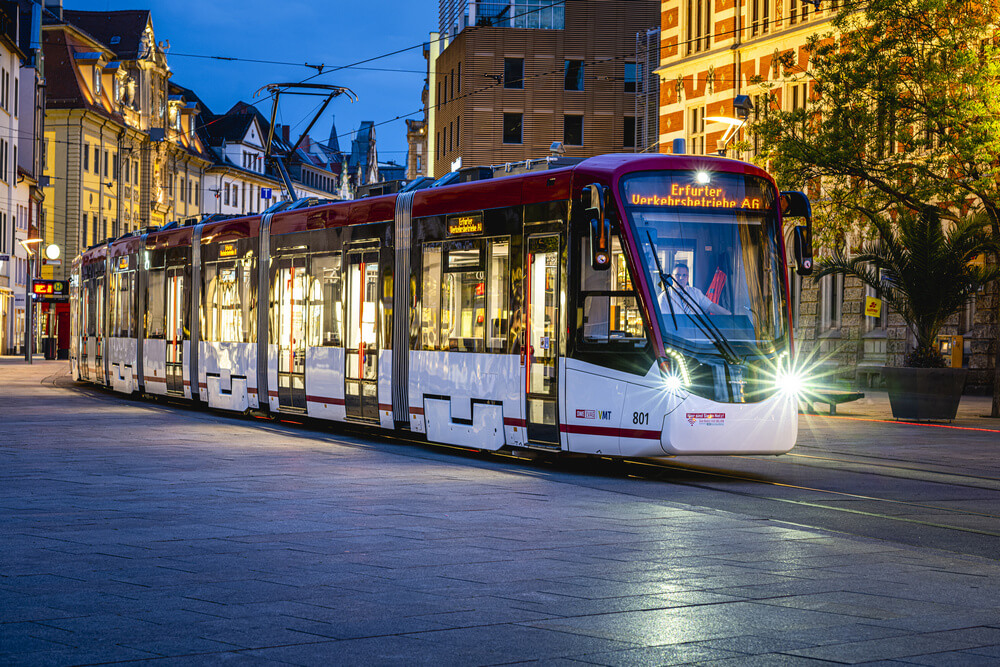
(972, 410)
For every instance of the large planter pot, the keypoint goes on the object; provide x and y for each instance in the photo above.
(924, 393)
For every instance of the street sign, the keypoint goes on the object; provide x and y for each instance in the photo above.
(4, 258)
(52, 262)
(265, 193)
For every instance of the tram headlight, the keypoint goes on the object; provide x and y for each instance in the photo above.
(790, 383)
(674, 371)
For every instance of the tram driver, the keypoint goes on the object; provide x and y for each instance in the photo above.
(681, 275)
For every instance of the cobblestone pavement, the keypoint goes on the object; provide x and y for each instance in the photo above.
(135, 531)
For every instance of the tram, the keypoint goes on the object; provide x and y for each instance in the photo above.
(547, 310)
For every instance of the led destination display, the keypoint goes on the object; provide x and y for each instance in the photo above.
(698, 190)
(708, 196)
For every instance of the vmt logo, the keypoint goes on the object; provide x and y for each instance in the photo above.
(594, 414)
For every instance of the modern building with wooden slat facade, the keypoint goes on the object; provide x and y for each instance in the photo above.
(501, 93)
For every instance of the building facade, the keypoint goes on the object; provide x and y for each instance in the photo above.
(21, 97)
(122, 152)
(710, 53)
(513, 78)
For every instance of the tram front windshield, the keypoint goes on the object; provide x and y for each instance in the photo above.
(709, 246)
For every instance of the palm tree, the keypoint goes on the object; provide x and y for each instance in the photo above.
(922, 271)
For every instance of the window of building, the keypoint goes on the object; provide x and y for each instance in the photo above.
(797, 99)
(86, 157)
(459, 78)
(106, 170)
(458, 132)
(630, 78)
(512, 128)
(513, 72)
(97, 81)
(17, 95)
(97, 160)
(760, 17)
(696, 130)
(831, 303)
(798, 11)
(699, 25)
(628, 133)
(451, 94)
(135, 172)
(451, 135)
(573, 130)
(534, 14)
(573, 79)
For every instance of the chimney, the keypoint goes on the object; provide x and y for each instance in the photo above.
(55, 6)
(284, 135)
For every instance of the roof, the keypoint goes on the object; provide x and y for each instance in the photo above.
(120, 31)
(65, 89)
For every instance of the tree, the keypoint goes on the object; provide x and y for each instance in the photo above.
(903, 119)
(923, 272)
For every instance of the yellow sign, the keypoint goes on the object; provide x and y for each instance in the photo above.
(228, 250)
(873, 306)
(709, 196)
(123, 263)
(466, 224)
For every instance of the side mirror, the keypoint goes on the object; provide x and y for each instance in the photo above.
(600, 227)
(796, 205)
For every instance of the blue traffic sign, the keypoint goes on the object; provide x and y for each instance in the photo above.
(265, 193)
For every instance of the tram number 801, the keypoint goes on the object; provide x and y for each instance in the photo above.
(640, 418)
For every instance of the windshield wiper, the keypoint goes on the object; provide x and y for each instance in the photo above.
(698, 313)
(663, 278)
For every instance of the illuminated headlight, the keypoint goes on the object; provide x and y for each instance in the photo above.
(790, 383)
(674, 371)
(673, 383)
(703, 178)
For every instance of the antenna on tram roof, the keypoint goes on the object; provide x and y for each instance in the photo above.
(314, 89)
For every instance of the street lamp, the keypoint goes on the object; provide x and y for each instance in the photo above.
(742, 106)
(29, 306)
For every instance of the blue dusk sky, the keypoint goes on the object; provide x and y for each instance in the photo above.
(333, 34)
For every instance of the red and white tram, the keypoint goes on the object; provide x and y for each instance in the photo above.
(545, 310)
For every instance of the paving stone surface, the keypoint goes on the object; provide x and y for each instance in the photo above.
(134, 532)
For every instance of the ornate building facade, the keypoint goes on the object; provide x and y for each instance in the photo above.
(710, 52)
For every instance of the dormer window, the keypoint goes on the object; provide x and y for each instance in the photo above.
(97, 82)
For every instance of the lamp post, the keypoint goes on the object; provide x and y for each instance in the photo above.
(29, 305)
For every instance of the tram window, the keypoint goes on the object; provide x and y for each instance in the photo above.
(230, 327)
(326, 315)
(498, 295)
(463, 298)
(430, 300)
(122, 286)
(155, 323)
(610, 312)
(224, 314)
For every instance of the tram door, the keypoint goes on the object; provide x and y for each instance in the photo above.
(540, 355)
(175, 330)
(361, 345)
(290, 318)
(101, 339)
(85, 318)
